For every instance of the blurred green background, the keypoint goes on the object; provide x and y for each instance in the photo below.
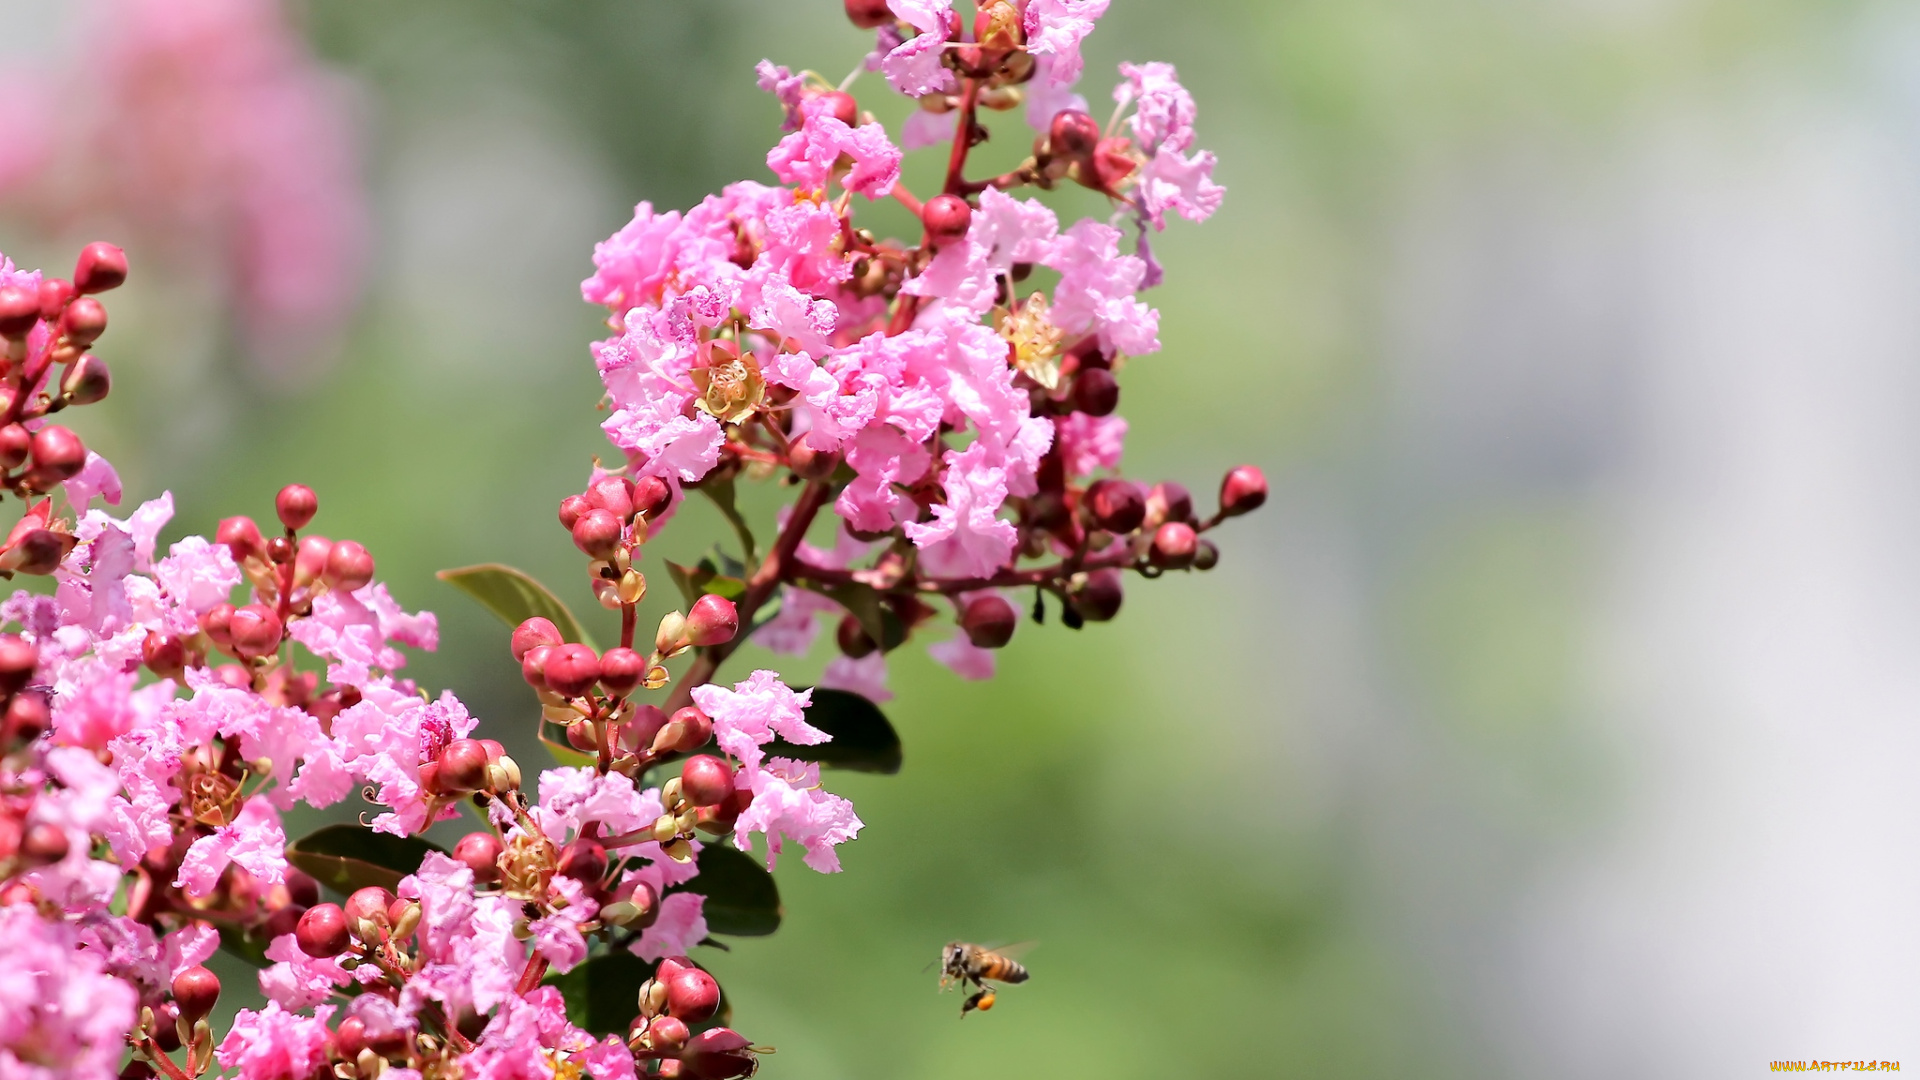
(1294, 817)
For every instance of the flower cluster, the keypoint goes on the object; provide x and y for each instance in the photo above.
(951, 399)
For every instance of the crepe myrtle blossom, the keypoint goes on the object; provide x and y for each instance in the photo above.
(944, 409)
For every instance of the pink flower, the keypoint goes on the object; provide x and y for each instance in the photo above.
(787, 803)
(966, 537)
(916, 68)
(752, 713)
(354, 631)
(1055, 28)
(472, 958)
(963, 658)
(631, 265)
(254, 841)
(385, 738)
(1003, 231)
(922, 129)
(1089, 443)
(882, 457)
(775, 79)
(792, 631)
(570, 798)
(514, 1043)
(866, 676)
(297, 982)
(1172, 181)
(275, 1044)
(682, 925)
(1096, 290)
(96, 478)
(557, 936)
(808, 157)
(61, 1014)
(196, 576)
(98, 708)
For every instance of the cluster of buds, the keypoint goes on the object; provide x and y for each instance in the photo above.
(180, 1021)
(48, 323)
(678, 998)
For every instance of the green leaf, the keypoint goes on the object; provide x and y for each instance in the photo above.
(251, 947)
(602, 995)
(348, 857)
(516, 597)
(698, 580)
(721, 492)
(563, 751)
(863, 740)
(863, 602)
(741, 896)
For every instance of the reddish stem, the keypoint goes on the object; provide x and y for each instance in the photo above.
(629, 614)
(160, 1060)
(535, 971)
(962, 139)
(907, 199)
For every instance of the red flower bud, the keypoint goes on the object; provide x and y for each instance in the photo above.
(351, 1037)
(717, 1054)
(463, 766)
(84, 321)
(87, 381)
(532, 632)
(280, 551)
(614, 494)
(1169, 501)
(1112, 162)
(194, 991)
(869, 14)
(55, 293)
(810, 464)
(582, 860)
(597, 533)
(1096, 392)
(28, 715)
(692, 995)
(666, 1034)
(688, 730)
(102, 266)
(366, 911)
(1115, 505)
(533, 665)
(1173, 546)
(1098, 598)
(841, 106)
(712, 621)
(301, 889)
(296, 504)
(349, 566)
(706, 780)
(639, 732)
(572, 670)
(15, 441)
(621, 670)
(58, 452)
(1073, 134)
(989, 621)
(651, 496)
(254, 630)
(946, 218)
(44, 844)
(18, 658)
(481, 852)
(322, 931)
(310, 558)
(852, 638)
(19, 312)
(1243, 489)
(571, 508)
(242, 538)
(1206, 556)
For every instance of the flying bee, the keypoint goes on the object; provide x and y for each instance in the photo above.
(962, 963)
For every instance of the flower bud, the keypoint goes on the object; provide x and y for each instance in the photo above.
(101, 266)
(852, 638)
(582, 737)
(688, 730)
(254, 630)
(810, 464)
(631, 588)
(534, 631)
(571, 670)
(667, 1034)
(44, 844)
(1206, 556)
(1112, 163)
(1174, 545)
(653, 997)
(1096, 392)
(706, 780)
(503, 774)
(614, 494)
(1097, 598)
(717, 1054)
(310, 558)
(946, 218)
(989, 621)
(28, 715)
(84, 321)
(672, 635)
(55, 293)
(651, 496)
(58, 452)
(242, 538)
(712, 621)
(1115, 505)
(1073, 134)
(571, 508)
(638, 732)
(840, 105)
(280, 551)
(405, 915)
(1169, 501)
(597, 533)
(322, 931)
(194, 991)
(480, 851)
(296, 504)
(1242, 490)
(621, 670)
(15, 442)
(18, 658)
(692, 995)
(349, 566)
(582, 860)
(350, 1039)
(869, 14)
(19, 312)
(366, 913)
(463, 766)
(533, 666)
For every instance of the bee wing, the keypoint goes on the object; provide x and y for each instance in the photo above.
(1016, 950)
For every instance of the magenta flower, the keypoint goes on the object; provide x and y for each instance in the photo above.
(753, 712)
(254, 841)
(297, 982)
(788, 803)
(808, 157)
(275, 1044)
(61, 1014)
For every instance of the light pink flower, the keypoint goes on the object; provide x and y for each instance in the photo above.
(1055, 29)
(196, 576)
(915, 67)
(963, 658)
(756, 710)
(682, 924)
(1096, 290)
(61, 1014)
(788, 805)
(254, 841)
(866, 676)
(922, 129)
(966, 537)
(1173, 181)
(570, 798)
(808, 157)
(275, 1044)
(297, 982)
(1090, 443)
(783, 84)
(557, 936)
(96, 478)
